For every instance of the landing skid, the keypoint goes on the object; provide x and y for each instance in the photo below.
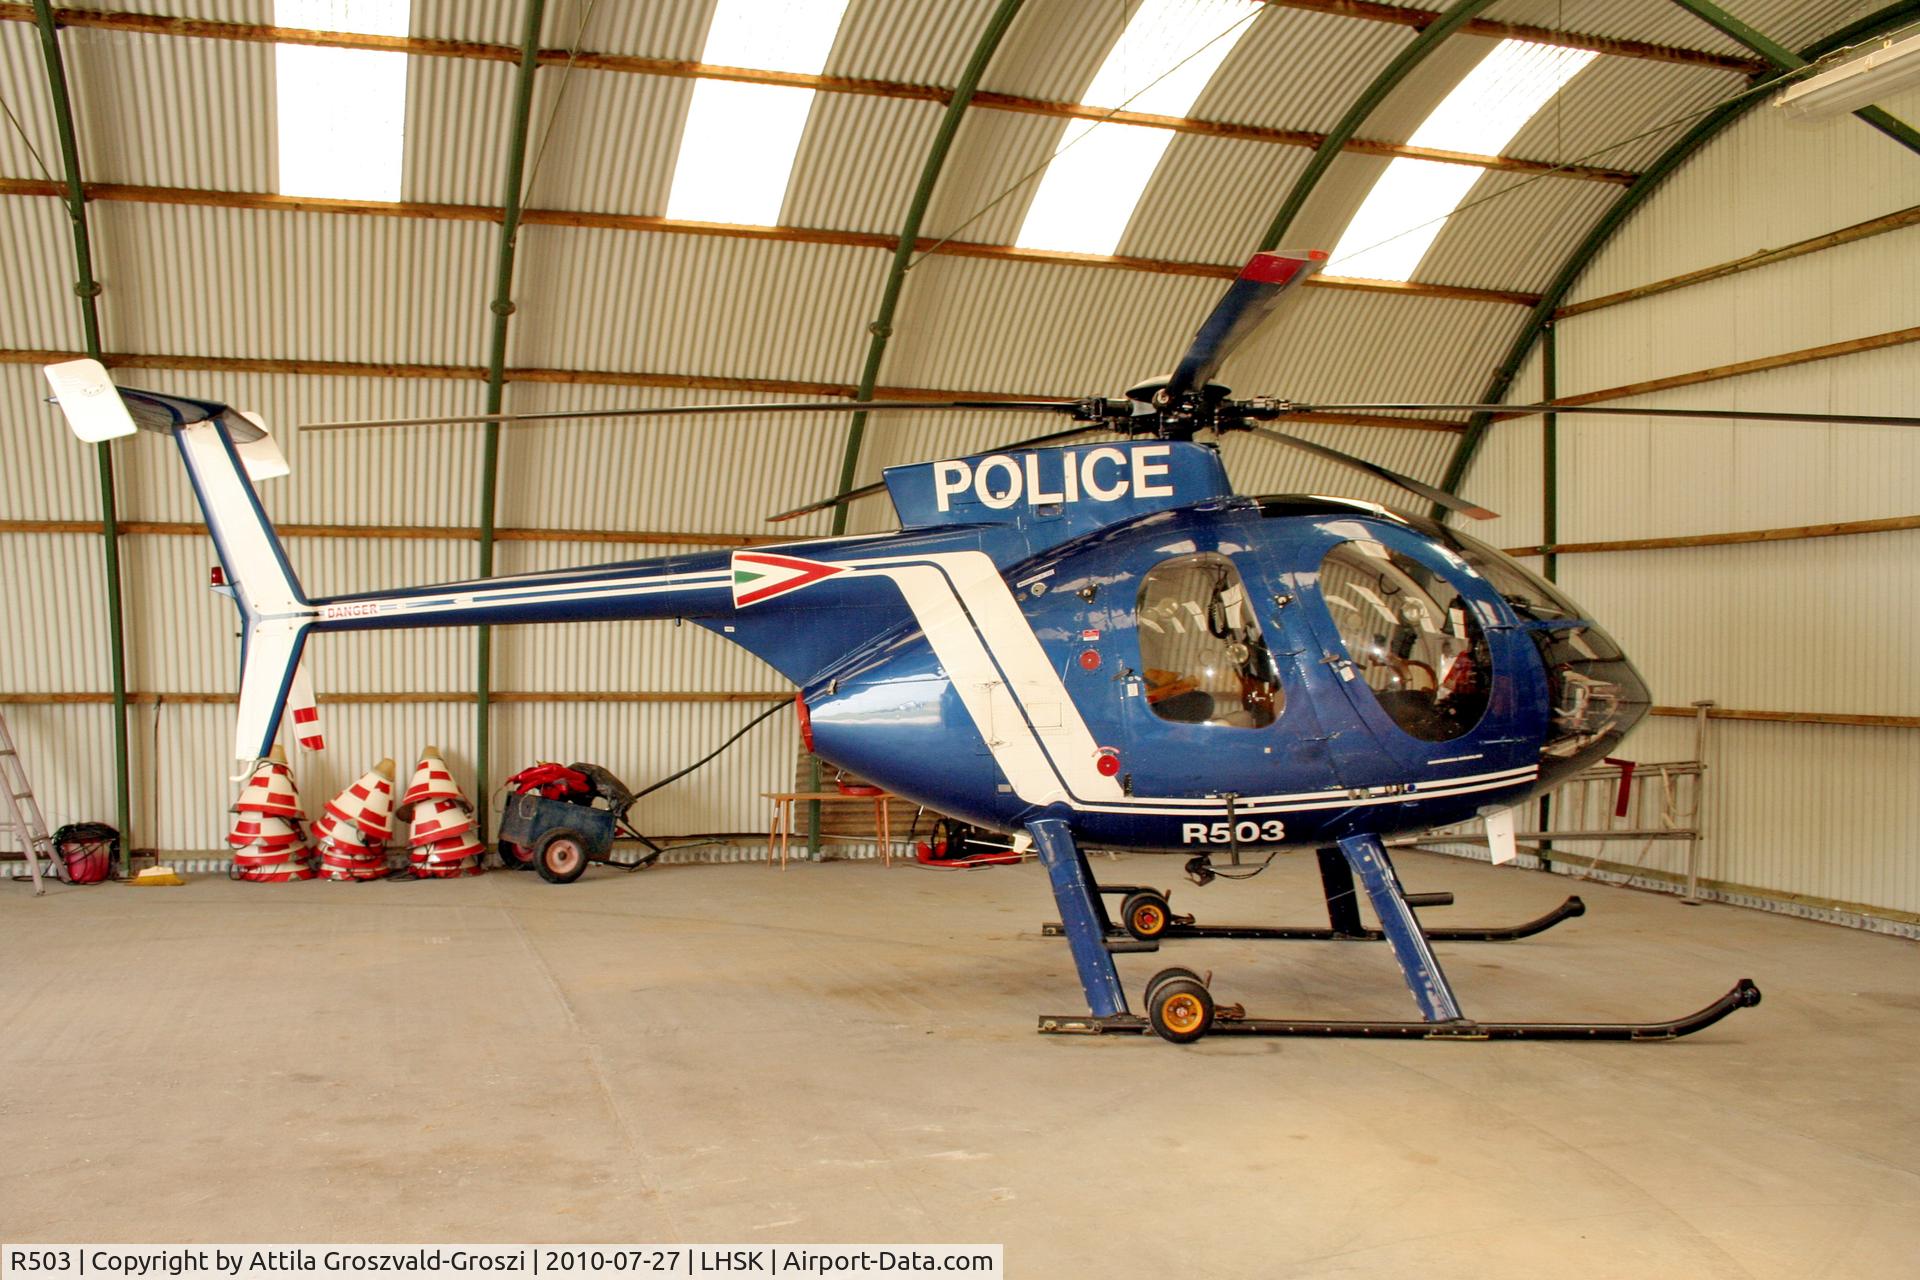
(1181, 1008)
(1743, 996)
(1343, 915)
(1567, 910)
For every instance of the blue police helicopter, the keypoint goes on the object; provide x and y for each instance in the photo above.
(1094, 644)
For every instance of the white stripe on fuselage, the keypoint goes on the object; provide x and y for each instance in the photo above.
(507, 593)
(1013, 695)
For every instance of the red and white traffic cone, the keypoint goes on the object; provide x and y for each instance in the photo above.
(368, 803)
(444, 859)
(441, 840)
(270, 792)
(269, 842)
(432, 780)
(346, 853)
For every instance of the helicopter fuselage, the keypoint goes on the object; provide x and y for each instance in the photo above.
(1188, 681)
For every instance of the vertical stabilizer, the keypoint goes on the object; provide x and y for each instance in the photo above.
(273, 609)
(222, 449)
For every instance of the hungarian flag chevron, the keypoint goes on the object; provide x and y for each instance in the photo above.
(760, 575)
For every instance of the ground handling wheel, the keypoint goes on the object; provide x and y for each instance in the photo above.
(1168, 975)
(515, 857)
(1145, 915)
(1180, 1009)
(562, 857)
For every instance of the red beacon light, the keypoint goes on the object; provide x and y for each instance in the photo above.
(1108, 762)
(806, 721)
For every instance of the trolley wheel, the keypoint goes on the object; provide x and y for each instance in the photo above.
(515, 857)
(562, 857)
(1168, 975)
(1181, 1010)
(1145, 915)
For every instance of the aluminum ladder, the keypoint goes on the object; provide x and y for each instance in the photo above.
(22, 814)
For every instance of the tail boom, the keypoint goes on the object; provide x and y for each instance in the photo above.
(670, 587)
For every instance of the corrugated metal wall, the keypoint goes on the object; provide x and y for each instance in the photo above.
(1803, 812)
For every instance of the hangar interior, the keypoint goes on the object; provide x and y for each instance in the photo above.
(1624, 217)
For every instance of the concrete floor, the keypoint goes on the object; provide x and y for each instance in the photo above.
(840, 1053)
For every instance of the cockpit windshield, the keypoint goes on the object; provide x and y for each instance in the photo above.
(1595, 694)
(1532, 597)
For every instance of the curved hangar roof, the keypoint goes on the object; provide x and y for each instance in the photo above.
(235, 262)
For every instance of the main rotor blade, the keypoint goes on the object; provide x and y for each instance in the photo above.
(1248, 301)
(842, 499)
(1408, 483)
(1529, 410)
(660, 411)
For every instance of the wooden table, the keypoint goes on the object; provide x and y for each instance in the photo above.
(782, 828)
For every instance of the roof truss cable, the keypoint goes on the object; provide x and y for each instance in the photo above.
(1167, 54)
(1402, 216)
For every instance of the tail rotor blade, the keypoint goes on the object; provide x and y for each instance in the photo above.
(842, 499)
(1248, 301)
(1427, 491)
(828, 504)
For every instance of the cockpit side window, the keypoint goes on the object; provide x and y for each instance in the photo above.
(1201, 650)
(1412, 638)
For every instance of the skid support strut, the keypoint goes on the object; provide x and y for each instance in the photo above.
(1082, 915)
(1367, 857)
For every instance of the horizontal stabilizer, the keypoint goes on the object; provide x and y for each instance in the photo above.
(98, 410)
(91, 402)
(262, 458)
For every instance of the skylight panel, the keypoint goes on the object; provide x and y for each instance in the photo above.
(342, 112)
(1096, 179)
(1403, 214)
(738, 147)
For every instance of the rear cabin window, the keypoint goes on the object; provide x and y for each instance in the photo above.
(1201, 650)
(1413, 640)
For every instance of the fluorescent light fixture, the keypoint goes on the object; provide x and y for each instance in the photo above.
(1401, 217)
(342, 112)
(1857, 82)
(1095, 182)
(739, 143)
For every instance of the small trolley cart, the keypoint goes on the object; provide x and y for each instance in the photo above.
(559, 818)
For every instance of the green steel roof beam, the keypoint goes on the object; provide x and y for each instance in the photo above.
(88, 291)
(497, 366)
(1410, 57)
(1703, 131)
(1787, 60)
(882, 326)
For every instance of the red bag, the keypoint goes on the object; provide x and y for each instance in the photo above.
(89, 850)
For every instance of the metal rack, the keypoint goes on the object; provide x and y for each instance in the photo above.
(1635, 802)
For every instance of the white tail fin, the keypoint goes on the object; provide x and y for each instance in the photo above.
(256, 565)
(222, 448)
